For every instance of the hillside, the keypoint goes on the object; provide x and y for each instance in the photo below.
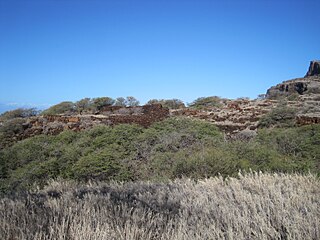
(216, 169)
(101, 139)
(231, 116)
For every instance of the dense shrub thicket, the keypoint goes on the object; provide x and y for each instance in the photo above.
(252, 206)
(175, 147)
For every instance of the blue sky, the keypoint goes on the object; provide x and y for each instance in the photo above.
(57, 50)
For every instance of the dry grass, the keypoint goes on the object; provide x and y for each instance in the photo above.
(254, 206)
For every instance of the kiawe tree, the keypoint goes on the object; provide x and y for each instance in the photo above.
(203, 102)
(83, 104)
(120, 101)
(169, 103)
(132, 101)
(101, 102)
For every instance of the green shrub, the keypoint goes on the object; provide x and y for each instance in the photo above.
(280, 116)
(120, 101)
(60, 108)
(132, 101)
(102, 165)
(100, 102)
(205, 163)
(12, 126)
(84, 104)
(18, 113)
(204, 102)
(301, 144)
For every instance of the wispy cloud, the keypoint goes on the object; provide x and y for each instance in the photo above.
(14, 105)
(17, 104)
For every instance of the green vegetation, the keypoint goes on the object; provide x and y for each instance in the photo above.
(83, 105)
(280, 116)
(175, 147)
(60, 108)
(100, 102)
(204, 102)
(129, 182)
(18, 113)
(9, 129)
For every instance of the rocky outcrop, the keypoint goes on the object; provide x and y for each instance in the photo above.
(294, 88)
(314, 68)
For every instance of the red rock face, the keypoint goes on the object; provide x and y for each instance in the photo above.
(307, 119)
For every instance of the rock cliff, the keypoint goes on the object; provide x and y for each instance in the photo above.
(295, 87)
(310, 84)
(314, 68)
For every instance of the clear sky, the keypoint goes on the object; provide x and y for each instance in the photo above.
(57, 50)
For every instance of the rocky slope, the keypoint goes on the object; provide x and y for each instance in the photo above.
(236, 116)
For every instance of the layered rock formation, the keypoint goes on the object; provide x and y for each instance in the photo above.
(310, 84)
(295, 87)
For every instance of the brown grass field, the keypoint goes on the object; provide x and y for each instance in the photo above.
(253, 206)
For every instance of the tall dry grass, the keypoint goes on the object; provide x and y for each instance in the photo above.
(253, 206)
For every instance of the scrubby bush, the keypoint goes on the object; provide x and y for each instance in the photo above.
(60, 108)
(84, 104)
(120, 101)
(101, 165)
(280, 116)
(12, 126)
(9, 129)
(18, 113)
(132, 101)
(100, 102)
(204, 102)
